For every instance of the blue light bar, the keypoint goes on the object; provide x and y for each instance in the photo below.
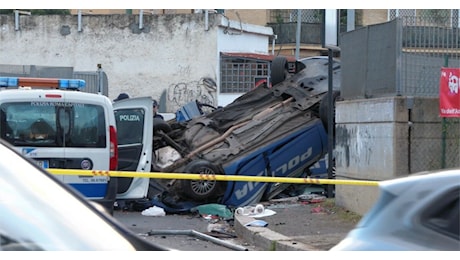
(14, 82)
(71, 84)
(8, 82)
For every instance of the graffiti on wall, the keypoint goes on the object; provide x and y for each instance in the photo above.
(203, 90)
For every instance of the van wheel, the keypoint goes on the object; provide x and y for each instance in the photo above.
(202, 190)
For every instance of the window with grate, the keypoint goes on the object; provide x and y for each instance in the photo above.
(290, 15)
(240, 75)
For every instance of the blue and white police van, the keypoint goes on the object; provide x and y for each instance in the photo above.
(50, 121)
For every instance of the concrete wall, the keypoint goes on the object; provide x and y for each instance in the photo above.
(385, 138)
(373, 16)
(251, 16)
(173, 58)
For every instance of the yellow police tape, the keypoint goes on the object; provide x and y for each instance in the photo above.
(213, 177)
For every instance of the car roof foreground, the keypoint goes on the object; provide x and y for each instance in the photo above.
(414, 213)
(40, 213)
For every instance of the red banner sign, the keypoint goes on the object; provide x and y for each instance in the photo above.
(449, 92)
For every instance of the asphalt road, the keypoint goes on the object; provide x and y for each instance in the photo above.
(184, 232)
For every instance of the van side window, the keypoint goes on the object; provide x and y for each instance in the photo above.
(130, 126)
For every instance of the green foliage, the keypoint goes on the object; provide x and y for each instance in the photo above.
(278, 15)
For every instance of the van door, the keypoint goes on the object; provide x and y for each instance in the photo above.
(134, 121)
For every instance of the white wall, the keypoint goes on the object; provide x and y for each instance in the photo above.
(234, 38)
(173, 58)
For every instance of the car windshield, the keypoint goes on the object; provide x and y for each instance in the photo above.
(53, 124)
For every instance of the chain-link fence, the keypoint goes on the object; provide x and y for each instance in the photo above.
(429, 42)
(427, 46)
(432, 17)
(397, 59)
(290, 15)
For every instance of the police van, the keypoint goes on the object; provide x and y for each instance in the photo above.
(50, 121)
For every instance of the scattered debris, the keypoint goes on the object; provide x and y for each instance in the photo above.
(257, 223)
(219, 210)
(198, 235)
(221, 230)
(311, 198)
(154, 212)
(320, 210)
(250, 210)
(172, 204)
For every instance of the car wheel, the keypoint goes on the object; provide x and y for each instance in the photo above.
(324, 108)
(202, 190)
(279, 70)
(160, 124)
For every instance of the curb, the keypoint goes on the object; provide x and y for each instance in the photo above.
(266, 239)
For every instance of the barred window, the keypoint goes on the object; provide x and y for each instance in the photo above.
(240, 75)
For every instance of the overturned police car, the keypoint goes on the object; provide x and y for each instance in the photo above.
(278, 131)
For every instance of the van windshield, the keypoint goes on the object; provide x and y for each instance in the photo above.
(53, 124)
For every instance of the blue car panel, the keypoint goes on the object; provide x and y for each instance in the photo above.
(287, 157)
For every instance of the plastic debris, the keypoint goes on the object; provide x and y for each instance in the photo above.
(257, 223)
(266, 213)
(250, 210)
(154, 212)
(257, 211)
(214, 209)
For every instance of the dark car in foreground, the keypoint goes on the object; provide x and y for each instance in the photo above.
(278, 131)
(40, 213)
(415, 213)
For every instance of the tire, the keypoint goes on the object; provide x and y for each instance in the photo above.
(279, 70)
(202, 190)
(160, 124)
(324, 108)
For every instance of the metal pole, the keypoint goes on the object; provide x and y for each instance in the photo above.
(79, 20)
(297, 38)
(330, 123)
(206, 20)
(199, 235)
(100, 75)
(16, 20)
(141, 18)
(444, 128)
